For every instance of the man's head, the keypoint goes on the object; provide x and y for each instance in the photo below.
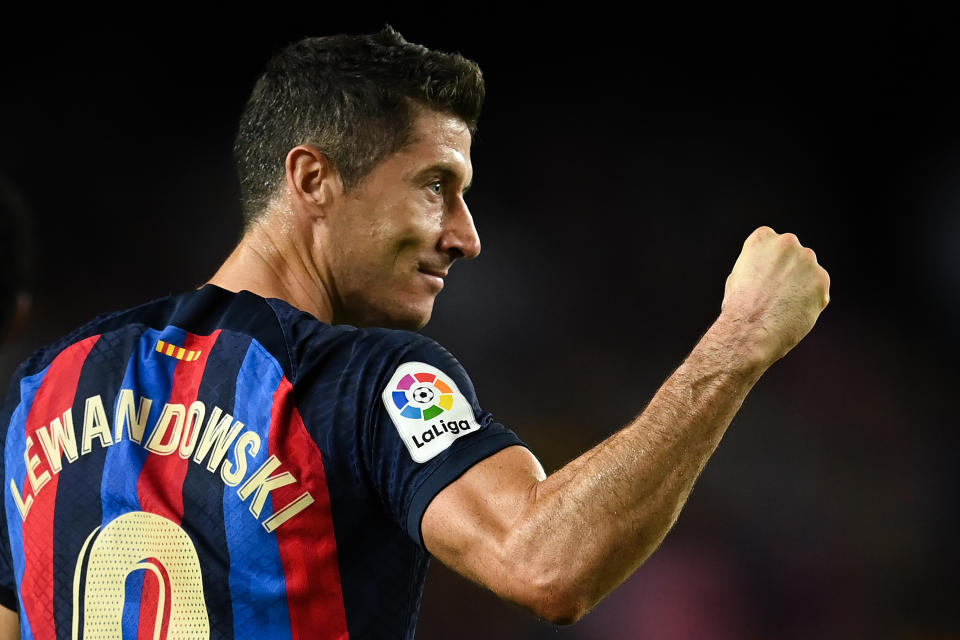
(357, 150)
(354, 98)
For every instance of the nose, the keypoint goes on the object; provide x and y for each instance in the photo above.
(459, 238)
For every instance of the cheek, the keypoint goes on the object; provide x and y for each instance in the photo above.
(408, 240)
(413, 219)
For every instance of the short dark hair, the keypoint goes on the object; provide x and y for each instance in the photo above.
(354, 97)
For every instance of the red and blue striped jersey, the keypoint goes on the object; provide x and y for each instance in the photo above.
(219, 465)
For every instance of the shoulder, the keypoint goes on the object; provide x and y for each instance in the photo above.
(73, 349)
(312, 343)
(100, 324)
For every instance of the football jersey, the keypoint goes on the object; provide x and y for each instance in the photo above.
(220, 465)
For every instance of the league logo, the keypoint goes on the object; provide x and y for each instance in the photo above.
(428, 409)
(422, 395)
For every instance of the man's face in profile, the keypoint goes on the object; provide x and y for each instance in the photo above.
(396, 234)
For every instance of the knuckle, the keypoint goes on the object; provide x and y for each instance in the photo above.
(790, 240)
(760, 233)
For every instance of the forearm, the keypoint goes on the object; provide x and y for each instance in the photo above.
(557, 545)
(590, 524)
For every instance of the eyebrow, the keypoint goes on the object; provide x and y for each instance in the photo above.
(447, 171)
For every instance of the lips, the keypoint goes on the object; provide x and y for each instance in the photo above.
(434, 275)
(433, 271)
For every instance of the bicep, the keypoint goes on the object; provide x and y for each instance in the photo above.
(9, 624)
(468, 523)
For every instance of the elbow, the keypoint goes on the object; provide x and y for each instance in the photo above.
(552, 597)
(559, 608)
(562, 613)
(549, 582)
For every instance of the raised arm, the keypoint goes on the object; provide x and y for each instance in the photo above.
(557, 545)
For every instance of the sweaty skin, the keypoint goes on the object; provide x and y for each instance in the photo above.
(556, 545)
(373, 255)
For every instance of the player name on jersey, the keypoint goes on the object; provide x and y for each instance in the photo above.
(177, 430)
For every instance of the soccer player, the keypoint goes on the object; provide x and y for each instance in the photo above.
(277, 454)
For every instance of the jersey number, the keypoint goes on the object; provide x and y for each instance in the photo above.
(135, 549)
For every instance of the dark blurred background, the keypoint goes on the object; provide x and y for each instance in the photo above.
(623, 156)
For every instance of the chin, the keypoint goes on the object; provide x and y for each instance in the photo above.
(410, 321)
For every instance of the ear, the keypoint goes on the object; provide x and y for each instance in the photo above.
(312, 181)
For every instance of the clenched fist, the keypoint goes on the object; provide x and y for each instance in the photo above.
(774, 294)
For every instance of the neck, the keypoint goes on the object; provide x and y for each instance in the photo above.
(270, 263)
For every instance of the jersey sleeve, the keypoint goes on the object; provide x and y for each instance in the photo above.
(426, 429)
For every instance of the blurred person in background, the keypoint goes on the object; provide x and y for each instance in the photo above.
(16, 260)
(278, 453)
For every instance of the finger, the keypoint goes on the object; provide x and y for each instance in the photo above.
(826, 287)
(789, 242)
(760, 233)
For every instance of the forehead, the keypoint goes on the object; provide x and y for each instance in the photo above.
(438, 139)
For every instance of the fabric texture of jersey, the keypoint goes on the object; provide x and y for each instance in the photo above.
(218, 465)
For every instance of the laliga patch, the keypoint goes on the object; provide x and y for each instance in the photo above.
(428, 409)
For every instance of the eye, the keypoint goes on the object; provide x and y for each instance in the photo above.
(436, 187)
